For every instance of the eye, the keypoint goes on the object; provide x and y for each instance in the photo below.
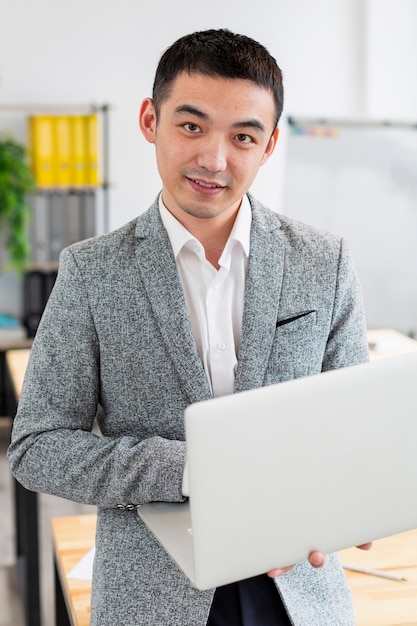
(243, 138)
(191, 128)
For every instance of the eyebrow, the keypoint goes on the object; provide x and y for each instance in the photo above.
(188, 108)
(250, 123)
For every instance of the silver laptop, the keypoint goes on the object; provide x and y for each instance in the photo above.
(318, 463)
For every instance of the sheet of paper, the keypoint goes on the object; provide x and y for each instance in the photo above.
(83, 570)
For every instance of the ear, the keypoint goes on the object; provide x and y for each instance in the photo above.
(271, 146)
(147, 120)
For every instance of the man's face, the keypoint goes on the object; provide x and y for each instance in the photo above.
(211, 136)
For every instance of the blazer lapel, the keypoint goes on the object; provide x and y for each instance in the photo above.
(262, 295)
(162, 283)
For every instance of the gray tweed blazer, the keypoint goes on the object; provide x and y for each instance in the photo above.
(116, 342)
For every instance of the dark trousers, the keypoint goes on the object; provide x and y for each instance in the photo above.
(251, 602)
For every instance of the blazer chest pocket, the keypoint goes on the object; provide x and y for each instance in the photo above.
(297, 348)
(299, 321)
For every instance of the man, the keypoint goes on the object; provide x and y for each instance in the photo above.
(206, 293)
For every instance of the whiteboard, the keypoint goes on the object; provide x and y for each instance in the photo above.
(359, 180)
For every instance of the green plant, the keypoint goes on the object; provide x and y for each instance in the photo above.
(16, 182)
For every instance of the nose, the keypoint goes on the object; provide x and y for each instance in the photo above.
(212, 155)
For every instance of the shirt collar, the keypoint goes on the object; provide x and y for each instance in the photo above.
(179, 236)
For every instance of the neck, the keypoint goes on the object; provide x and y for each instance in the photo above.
(211, 232)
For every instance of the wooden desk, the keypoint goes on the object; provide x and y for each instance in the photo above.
(6, 393)
(72, 538)
(385, 342)
(17, 361)
(382, 602)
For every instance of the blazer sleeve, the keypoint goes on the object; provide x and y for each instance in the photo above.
(53, 448)
(347, 342)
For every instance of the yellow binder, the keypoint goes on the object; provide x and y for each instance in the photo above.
(78, 151)
(41, 147)
(65, 150)
(62, 145)
(92, 149)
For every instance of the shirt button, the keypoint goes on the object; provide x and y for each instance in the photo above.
(221, 345)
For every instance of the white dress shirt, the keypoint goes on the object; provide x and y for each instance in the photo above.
(214, 297)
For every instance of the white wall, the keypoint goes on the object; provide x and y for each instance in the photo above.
(391, 58)
(339, 57)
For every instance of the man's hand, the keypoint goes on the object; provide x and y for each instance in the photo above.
(316, 559)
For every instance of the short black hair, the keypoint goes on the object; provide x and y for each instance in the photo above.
(219, 53)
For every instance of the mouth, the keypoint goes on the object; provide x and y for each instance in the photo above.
(205, 185)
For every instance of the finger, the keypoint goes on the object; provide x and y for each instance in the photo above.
(317, 559)
(365, 546)
(278, 571)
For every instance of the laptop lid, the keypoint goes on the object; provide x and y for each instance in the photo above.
(318, 463)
